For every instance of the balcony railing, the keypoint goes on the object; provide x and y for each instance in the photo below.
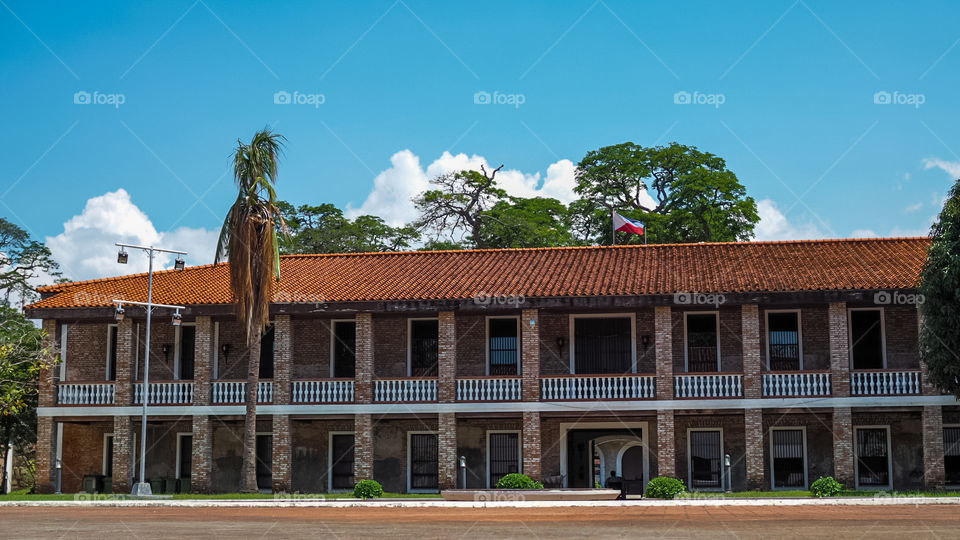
(165, 393)
(885, 382)
(708, 385)
(85, 393)
(489, 389)
(796, 384)
(589, 387)
(323, 391)
(232, 392)
(405, 390)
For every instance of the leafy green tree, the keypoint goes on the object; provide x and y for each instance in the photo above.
(324, 229)
(520, 222)
(456, 211)
(23, 262)
(695, 198)
(441, 245)
(940, 287)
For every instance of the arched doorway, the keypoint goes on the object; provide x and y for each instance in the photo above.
(630, 463)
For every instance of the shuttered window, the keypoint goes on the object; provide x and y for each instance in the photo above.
(424, 348)
(873, 457)
(344, 349)
(783, 335)
(504, 350)
(702, 343)
(706, 459)
(424, 462)
(341, 461)
(188, 336)
(504, 456)
(603, 345)
(788, 458)
(266, 354)
(112, 332)
(186, 455)
(951, 454)
(866, 339)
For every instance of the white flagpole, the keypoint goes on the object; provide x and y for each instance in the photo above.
(613, 228)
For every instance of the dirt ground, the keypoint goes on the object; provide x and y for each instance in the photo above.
(627, 522)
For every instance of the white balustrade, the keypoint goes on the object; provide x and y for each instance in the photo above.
(405, 390)
(588, 387)
(708, 385)
(265, 392)
(796, 384)
(85, 394)
(233, 392)
(165, 393)
(489, 389)
(323, 391)
(884, 383)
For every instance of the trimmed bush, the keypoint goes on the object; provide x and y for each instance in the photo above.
(664, 487)
(518, 481)
(825, 486)
(368, 489)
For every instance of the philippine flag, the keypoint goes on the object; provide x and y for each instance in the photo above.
(621, 223)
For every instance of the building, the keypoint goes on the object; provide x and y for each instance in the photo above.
(796, 359)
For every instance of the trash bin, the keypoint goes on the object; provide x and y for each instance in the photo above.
(107, 484)
(156, 484)
(184, 486)
(169, 485)
(92, 483)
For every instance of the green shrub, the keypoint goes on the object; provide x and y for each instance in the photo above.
(825, 486)
(368, 489)
(664, 487)
(518, 481)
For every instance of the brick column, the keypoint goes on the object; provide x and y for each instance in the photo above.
(123, 461)
(126, 348)
(447, 441)
(752, 362)
(753, 435)
(362, 447)
(282, 360)
(203, 361)
(47, 384)
(933, 467)
(282, 466)
(447, 358)
(364, 358)
(666, 444)
(530, 354)
(201, 475)
(843, 466)
(46, 459)
(839, 349)
(663, 348)
(531, 445)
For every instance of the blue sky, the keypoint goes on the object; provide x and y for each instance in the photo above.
(796, 83)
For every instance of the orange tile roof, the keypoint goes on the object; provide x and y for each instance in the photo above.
(742, 267)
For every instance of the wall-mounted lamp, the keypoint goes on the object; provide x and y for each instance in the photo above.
(166, 351)
(225, 350)
(645, 340)
(177, 319)
(533, 322)
(118, 315)
(560, 342)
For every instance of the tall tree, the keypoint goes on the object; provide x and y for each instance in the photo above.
(23, 262)
(520, 222)
(455, 211)
(940, 287)
(682, 194)
(248, 240)
(324, 229)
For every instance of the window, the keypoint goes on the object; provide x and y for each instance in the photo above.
(603, 345)
(186, 339)
(108, 455)
(503, 346)
(702, 345)
(184, 455)
(344, 342)
(951, 454)
(866, 338)
(706, 458)
(873, 457)
(783, 341)
(341, 461)
(503, 455)
(264, 461)
(788, 457)
(112, 331)
(266, 354)
(424, 347)
(424, 462)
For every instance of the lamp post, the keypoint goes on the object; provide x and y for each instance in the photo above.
(142, 488)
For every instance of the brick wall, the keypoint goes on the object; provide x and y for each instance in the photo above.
(390, 450)
(364, 359)
(283, 340)
(933, 465)
(551, 325)
(646, 356)
(201, 476)
(233, 365)
(311, 348)
(532, 449)
(389, 346)
(47, 378)
(733, 443)
(839, 349)
(472, 444)
(471, 345)
(906, 438)
(46, 455)
(447, 358)
(819, 441)
(901, 329)
(666, 464)
(843, 465)
(753, 448)
(448, 457)
(86, 357)
(310, 452)
(363, 447)
(123, 461)
(665, 351)
(82, 452)
(531, 353)
(162, 333)
(752, 363)
(815, 321)
(202, 361)
(282, 467)
(731, 342)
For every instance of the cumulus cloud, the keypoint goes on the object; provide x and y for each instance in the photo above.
(774, 225)
(85, 249)
(950, 167)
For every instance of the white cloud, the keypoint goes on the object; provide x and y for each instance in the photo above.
(85, 249)
(864, 233)
(913, 207)
(774, 225)
(950, 167)
(394, 187)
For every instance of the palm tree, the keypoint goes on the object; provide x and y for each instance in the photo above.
(248, 240)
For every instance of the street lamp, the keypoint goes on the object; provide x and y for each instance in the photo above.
(142, 488)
